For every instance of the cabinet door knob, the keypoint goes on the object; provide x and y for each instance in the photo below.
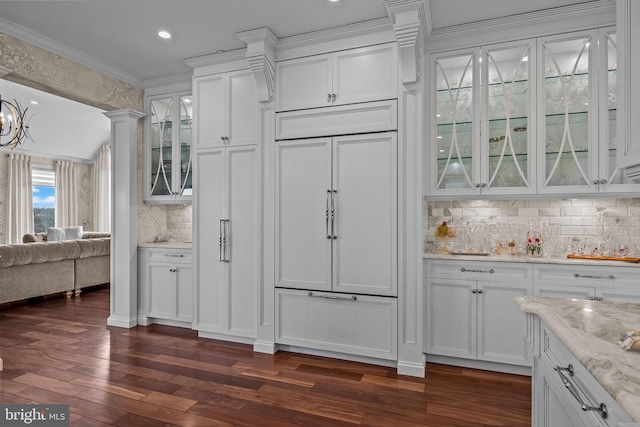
(483, 185)
(478, 185)
(173, 270)
(328, 97)
(603, 181)
(333, 97)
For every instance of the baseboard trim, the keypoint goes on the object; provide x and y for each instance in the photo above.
(122, 322)
(412, 369)
(265, 347)
(480, 364)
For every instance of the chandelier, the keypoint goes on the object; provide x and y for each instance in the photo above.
(14, 125)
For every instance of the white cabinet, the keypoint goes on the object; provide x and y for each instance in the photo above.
(564, 392)
(336, 214)
(587, 282)
(166, 286)
(628, 22)
(226, 109)
(541, 120)
(226, 242)
(167, 160)
(470, 311)
(481, 140)
(346, 77)
(353, 324)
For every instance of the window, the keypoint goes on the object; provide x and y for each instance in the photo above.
(44, 197)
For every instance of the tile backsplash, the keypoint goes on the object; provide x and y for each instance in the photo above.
(576, 217)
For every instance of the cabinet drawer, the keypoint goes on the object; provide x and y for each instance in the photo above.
(174, 256)
(555, 354)
(342, 120)
(480, 270)
(587, 276)
(359, 325)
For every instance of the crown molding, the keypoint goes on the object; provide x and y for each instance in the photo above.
(218, 62)
(358, 34)
(261, 55)
(37, 155)
(537, 23)
(54, 47)
(166, 84)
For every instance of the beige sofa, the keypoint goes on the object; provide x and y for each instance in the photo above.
(41, 268)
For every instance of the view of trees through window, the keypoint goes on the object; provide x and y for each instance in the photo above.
(44, 199)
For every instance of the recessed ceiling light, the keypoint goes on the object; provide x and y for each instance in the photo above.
(164, 34)
(34, 102)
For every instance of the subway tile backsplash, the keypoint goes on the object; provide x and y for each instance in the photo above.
(577, 217)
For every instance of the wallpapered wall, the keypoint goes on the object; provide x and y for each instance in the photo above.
(43, 70)
(577, 217)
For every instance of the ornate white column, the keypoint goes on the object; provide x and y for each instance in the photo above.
(408, 17)
(124, 260)
(409, 25)
(261, 54)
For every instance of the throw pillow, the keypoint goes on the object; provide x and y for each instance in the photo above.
(55, 234)
(73, 233)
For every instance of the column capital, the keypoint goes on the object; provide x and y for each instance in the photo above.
(261, 55)
(409, 24)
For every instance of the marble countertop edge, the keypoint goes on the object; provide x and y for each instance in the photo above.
(617, 370)
(531, 260)
(166, 245)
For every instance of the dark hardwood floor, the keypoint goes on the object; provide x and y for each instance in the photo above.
(60, 351)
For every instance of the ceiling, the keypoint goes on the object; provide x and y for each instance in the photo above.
(119, 38)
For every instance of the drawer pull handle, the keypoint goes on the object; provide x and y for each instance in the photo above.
(351, 298)
(609, 277)
(601, 410)
(464, 270)
(174, 255)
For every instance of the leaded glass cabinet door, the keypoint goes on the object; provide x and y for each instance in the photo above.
(161, 134)
(611, 177)
(567, 132)
(183, 185)
(455, 123)
(507, 133)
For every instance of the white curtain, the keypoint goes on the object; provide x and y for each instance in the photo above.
(20, 209)
(66, 195)
(102, 190)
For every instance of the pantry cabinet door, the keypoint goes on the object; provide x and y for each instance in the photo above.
(242, 111)
(365, 181)
(208, 213)
(242, 240)
(303, 207)
(209, 95)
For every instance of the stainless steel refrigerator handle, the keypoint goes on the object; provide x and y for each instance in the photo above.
(221, 232)
(326, 215)
(333, 215)
(602, 409)
(226, 239)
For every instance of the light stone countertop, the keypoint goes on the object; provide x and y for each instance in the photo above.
(592, 337)
(166, 245)
(526, 259)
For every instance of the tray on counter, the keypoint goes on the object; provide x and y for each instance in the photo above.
(604, 258)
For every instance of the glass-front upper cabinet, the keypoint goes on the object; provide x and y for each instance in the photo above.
(611, 177)
(506, 143)
(480, 121)
(568, 161)
(168, 164)
(454, 123)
